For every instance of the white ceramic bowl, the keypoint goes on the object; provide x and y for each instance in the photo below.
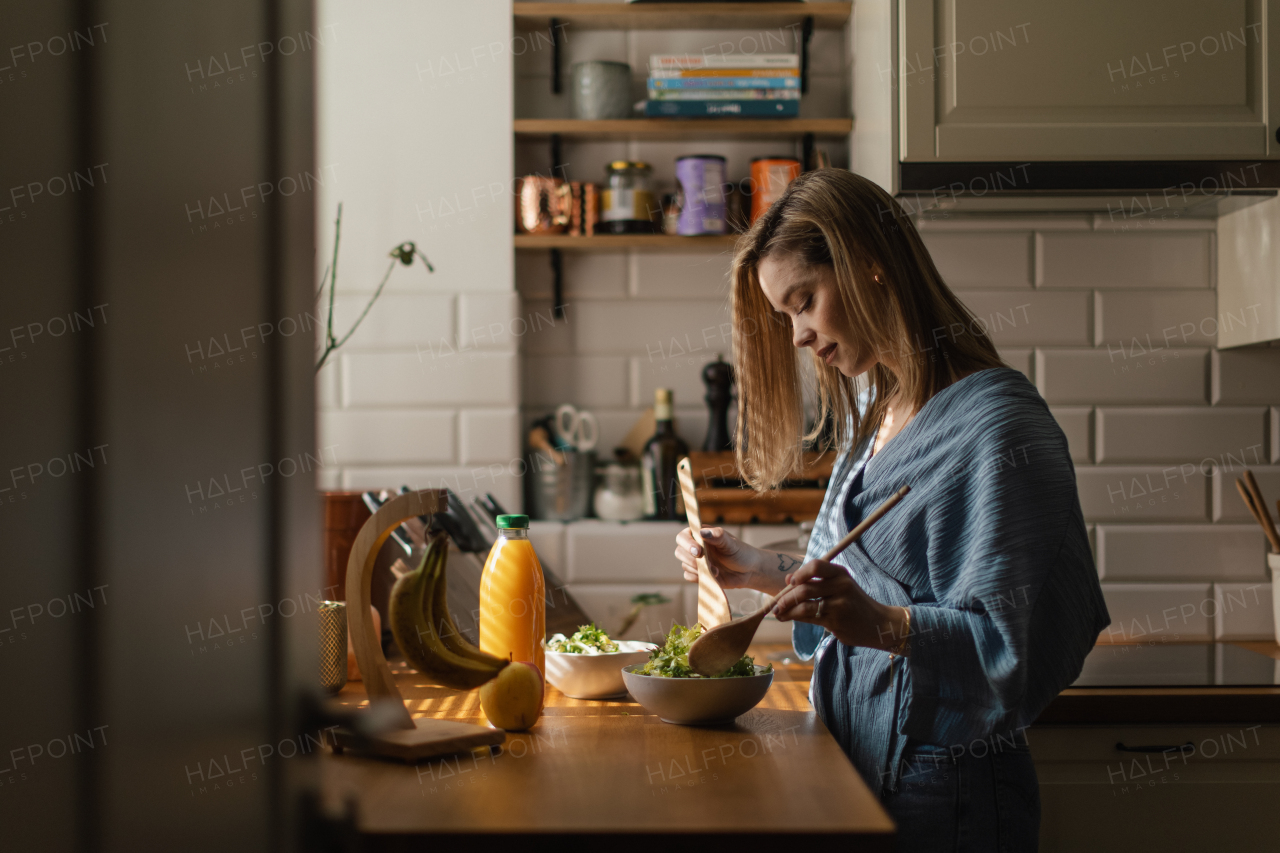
(595, 676)
(697, 701)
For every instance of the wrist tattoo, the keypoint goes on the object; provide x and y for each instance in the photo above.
(787, 563)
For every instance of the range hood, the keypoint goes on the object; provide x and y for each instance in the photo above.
(1123, 190)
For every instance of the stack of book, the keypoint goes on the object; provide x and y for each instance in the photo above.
(764, 85)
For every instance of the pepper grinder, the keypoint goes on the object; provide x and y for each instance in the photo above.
(718, 377)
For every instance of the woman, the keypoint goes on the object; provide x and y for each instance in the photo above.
(941, 635)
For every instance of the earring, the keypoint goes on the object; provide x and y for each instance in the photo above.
(877, 278)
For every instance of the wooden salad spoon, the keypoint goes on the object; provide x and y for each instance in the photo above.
(724, 645)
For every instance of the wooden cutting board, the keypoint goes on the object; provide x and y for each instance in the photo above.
(428, 739)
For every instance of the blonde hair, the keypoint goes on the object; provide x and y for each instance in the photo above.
(840, 220)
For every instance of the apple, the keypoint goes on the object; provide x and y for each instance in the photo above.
(513, 699)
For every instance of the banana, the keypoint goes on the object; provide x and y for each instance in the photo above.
(415, 615)
(447, 629)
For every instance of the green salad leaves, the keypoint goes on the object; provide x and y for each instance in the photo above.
(587, 640)
(672, 659)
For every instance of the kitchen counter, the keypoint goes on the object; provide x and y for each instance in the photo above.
(607, 772)
(1210, 703)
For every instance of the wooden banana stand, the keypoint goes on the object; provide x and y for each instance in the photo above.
(413, 740)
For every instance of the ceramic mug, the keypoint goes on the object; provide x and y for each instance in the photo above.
(600, 89)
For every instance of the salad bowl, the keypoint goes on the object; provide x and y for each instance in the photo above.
(594, 675)
(698, 701)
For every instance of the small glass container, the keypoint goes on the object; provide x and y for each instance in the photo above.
(627, 203)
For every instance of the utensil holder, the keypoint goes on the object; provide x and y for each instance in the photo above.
(560, 489)
(333, 645)
(1273, 563)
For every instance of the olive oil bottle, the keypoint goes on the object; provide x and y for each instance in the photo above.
(662, 496)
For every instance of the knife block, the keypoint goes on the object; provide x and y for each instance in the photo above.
(411, 740)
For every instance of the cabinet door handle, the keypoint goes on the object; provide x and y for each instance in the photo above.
(1179, 747)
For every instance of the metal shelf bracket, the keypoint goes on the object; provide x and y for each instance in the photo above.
(806, 36)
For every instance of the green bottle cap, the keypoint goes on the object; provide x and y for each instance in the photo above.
(508, 521)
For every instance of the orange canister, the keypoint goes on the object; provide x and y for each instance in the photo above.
(770, 177)
(513, 604)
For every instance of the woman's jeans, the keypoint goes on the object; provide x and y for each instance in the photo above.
(947, 804)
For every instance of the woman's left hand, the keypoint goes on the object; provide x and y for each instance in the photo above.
(827, 595)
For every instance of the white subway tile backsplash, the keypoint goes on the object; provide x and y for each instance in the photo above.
(1227, 503)
(1097, 376)
(396, 320)
(1155, 319)
(328, 479)
(544, 333)
(990, 259)
(425, 379)
(1167, 259)
(489, 435)
(1140, 552)
(548, 543)
(1037, 318)
(623, 552)
(681, 275)
(1243, 611)
(1131, 494)
(491, 321)
(1182, 435)
(593, 381)
(327, 382)
(1158, 612)
(1245, 376)
(658, 329)
(389, 436)
(466, 483)
(1076, 426)
(585, 275)
(682, 375)
(1020, 360)
(609, 604)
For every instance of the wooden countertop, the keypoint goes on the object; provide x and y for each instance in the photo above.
(607, 771)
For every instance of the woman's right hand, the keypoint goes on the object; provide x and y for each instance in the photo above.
(732, 561)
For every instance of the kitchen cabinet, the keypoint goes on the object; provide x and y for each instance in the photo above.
(1215, 790)
(1003, 80)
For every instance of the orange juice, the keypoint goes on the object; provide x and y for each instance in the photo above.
(513, 608)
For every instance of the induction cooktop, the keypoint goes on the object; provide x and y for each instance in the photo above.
(1177, 665)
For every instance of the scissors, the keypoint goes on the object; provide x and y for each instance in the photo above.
(578, 429)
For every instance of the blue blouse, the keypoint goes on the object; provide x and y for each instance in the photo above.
(988, 552)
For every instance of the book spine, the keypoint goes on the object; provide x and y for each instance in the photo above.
(732, 60)
(709, 109)
(724, 94)
(696, 73)
(725, 83)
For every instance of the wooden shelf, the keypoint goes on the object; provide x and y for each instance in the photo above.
(681, 129)
(616, 242)
(686, 16)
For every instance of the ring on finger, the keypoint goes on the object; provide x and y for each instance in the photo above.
(820, 601)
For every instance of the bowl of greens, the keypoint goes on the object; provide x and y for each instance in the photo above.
(667, 686)
(588, 665)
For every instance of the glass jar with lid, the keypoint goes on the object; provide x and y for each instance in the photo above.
(627, 202)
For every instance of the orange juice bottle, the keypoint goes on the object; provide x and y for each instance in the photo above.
(513, 605)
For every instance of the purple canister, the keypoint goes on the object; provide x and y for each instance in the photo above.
(702, 184)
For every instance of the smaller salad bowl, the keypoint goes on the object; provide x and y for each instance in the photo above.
(596, 675)
(698, 701)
